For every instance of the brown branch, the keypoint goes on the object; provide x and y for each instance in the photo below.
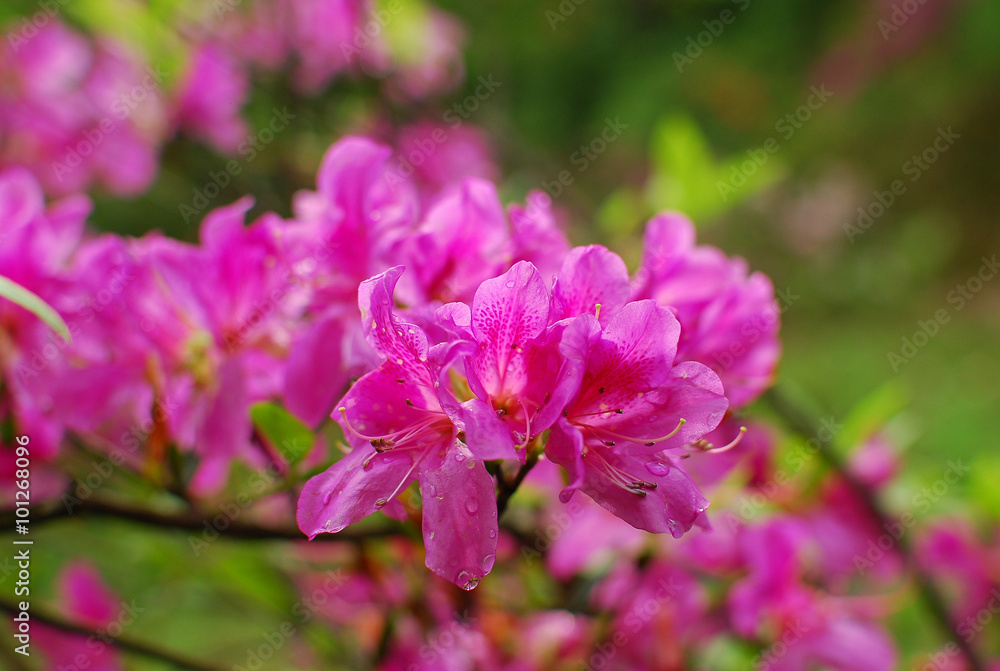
(124, 643)
(507, 489)
(803, 424)
(191, 521)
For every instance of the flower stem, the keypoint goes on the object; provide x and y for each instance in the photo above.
(800, 421)
(124, 643)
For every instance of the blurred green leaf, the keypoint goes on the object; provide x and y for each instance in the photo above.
(285, 432)
(687, 178)
(32, 303)
(872, 414)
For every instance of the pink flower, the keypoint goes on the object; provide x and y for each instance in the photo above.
(85, 600)
(634, 403)
(729, 319)
(210, 96)
(515, 371)
(395, 420)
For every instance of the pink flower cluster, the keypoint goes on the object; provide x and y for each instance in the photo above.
(79, 112)
(496, 335)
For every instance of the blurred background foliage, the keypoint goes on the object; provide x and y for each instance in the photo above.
(562, 75)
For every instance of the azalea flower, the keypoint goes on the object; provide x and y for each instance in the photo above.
(395, 421)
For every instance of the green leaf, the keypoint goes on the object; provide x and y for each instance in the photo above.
(872, 414)
(32, 303)
(686, 176)
(285, 432)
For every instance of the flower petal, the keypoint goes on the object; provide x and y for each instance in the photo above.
(507, 313)
(347, 491)
(460, 519)
(673, 505)
(590, 276)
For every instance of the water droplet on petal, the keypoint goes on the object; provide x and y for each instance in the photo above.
(459, 457)
(466, 581)
(658, 468)
(434, 491)
(653, 418)
(509, 284)
(487, 564)
(326, 499)
(493, 533)
(472, 506)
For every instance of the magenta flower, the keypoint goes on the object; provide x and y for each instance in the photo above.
(217, 332)
(86, 600)
(813, 628)
(210, 96)
(515, 372)
(729, 320)
(395, 421)
(633, 403)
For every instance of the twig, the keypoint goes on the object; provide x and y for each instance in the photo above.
(507, 489)
(803, 424)
(124, 643)
(187, 521)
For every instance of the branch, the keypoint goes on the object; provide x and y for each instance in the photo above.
(806, 426)
(192, 521)
(124, 643)
(507, 489)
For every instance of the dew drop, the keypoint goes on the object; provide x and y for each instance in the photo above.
(509, 284)
(434, 491)
(493, 533)
(658, 468)
(487, 564)
(326, 499)
(375, 215)
(471, 506)
(459, 457)
(466, 580)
